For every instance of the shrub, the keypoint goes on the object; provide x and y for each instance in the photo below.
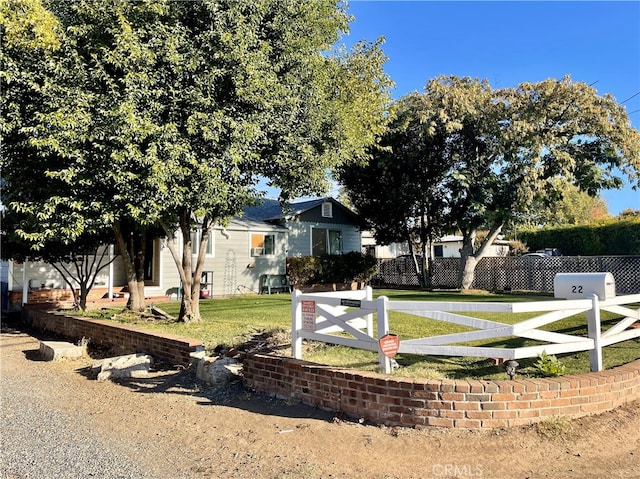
(331, 268)
(303, 269)
(613, 237)
(549, 366)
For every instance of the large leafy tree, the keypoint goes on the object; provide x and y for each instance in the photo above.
(575, 207)
(180, 106)
(399, 191)
(38, 223)
(507, 150)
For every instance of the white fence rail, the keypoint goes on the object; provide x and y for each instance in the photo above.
(350, 313)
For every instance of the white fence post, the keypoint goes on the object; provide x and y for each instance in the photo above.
(296, 325)
(369, 297)
(25, 283)
(384, 362)
(595, 333)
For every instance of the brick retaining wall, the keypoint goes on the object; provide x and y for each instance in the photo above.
(397, 401)
(124, 339)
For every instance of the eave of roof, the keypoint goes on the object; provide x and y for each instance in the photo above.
(271, 210)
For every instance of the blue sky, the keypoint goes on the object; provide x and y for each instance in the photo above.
(508, 43)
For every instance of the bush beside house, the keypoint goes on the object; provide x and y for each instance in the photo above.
(326, 269)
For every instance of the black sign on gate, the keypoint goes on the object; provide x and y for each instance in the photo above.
(351, 303)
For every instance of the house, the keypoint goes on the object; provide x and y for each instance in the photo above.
(371, 247)
(237, 256)
(449, 247)
(315, 227)
(446, 247)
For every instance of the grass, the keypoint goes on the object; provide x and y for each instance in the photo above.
(230, 322)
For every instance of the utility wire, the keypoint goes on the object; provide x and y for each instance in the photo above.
(632, 96)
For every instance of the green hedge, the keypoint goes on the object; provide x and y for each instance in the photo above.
(331, 268)
(615, 237)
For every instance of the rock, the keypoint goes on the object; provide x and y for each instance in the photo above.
(217, 371)
(50, 350)
(129, 366)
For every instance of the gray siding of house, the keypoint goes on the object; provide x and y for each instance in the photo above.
(235, 271)
(338, 216)
(44, 274)
(300, 237)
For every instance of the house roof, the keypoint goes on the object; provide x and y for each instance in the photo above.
(251, 224)
(271, 210)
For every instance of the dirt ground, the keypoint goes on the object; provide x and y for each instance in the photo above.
(232, 433)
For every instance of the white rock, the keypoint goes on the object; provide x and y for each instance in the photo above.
(129, 366)
(218, 370)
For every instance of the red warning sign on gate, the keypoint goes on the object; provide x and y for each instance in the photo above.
(308, 315)
(389, 344)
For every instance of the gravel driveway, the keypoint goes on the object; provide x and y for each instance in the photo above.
(57, 422)
(40, 440)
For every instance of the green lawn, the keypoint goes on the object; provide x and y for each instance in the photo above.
(230, 322)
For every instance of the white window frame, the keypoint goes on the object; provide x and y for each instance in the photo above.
(263, 250)
(327, 209)
(328, 233)
(196, 237)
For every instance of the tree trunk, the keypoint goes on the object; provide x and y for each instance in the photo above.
(416, 265)
(131, 250)
(190, 277)
(469, 260)
(467, 272)
(82, 301)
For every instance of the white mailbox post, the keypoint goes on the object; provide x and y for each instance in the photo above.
(595, 286)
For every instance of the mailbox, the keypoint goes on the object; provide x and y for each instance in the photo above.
(583, 285)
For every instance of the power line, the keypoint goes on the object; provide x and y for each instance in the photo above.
(632, 96)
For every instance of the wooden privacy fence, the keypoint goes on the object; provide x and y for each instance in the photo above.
(350, 314)
(523, 273)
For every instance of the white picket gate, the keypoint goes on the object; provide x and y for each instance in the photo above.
(319, 316)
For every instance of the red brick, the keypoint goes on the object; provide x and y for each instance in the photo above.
(452, 414)
(493, 406)
(462, 386)
(479, 414)
(468, 423)
(504, 414)
(452, 396)
(528, 413)
(430, 395)
(439, 422)
(438, 405)
(476, 386)
(479, 397)
(580, 400)
(549, 394)
(494, 423)
(413, 403)
(503, 397)
(466, 406)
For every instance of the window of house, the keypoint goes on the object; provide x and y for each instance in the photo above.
(327, 210)
(196, 237)
(326, 241)
(149, 260)
(262, 244)
(438, 251)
